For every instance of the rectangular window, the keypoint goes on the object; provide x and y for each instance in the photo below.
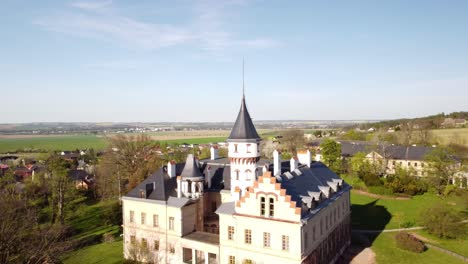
(171, 223)
(155, 220)
(156, 245)
(248, 148)
(266, 239)
(247, 261)
(272, 207)
(313, 234)
(144, 243)
(232, 260)
(262, 206)
(230, 232)
(132, 216)
(143, 218)
(248, 236)
(142, 194)
(235, 148)
(285, 243)
(132, 239)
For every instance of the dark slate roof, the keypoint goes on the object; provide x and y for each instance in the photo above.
(77, 175)
(350, 148)
(158, 186)
(191, 170)
(305, 184)
(243, 129)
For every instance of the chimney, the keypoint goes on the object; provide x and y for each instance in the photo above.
(214, 152)
(179, 187)
(294, 164)
(171, 168)
(304, 157)
(208, 178)
(276, 162)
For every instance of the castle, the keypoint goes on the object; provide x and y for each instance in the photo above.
(238, 209)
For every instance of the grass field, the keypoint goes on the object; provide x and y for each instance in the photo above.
(195, 140)
(372, 213)
(453, 135)
(459, 246)
(103, 253)
(49, 143)
(387, 252)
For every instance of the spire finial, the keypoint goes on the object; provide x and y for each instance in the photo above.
(243, 83)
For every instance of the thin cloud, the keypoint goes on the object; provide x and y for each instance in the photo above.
(97, 20)
(94, 5)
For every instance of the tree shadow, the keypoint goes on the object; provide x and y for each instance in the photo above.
(367, 221)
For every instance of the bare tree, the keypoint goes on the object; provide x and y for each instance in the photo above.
(22, 239)
(292, 140)
(127, 162)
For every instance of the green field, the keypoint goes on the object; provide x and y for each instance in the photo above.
(103, 253)
(451, 135)
(52, 143)
(387, 252)
(373, 213)
(195, 140)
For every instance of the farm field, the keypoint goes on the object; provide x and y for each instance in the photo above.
(451, 135)
(49, 143)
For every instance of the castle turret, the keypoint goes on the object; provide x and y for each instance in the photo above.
(243, 151)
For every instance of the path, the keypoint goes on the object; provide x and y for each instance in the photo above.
(385, 197)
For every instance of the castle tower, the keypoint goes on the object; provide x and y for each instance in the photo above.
(243, 152)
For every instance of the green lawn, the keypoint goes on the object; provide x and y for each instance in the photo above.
(108, 253)
(52, 143)
(91, 221)
(373, 213)
(386, 252)
(459, 246)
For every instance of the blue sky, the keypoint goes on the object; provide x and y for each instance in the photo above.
(182, 60)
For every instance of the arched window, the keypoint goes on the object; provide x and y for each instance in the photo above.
(272, 207)
(262, 206)
(247, 175)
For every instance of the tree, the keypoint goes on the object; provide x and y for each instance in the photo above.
(441, 167)
(443, 222)
(126, 163)
(60, 186)
(23, 239)
(331, 154)
(292, 140)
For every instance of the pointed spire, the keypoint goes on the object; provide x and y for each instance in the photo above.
(191, 169)
(243, 83)
(244, 128)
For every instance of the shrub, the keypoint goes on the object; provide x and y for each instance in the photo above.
(408, 224)
(108, 237)
(443, 222)
(408, 242)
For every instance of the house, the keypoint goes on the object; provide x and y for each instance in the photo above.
(390, 156)
(81, 179)
(239, 209)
